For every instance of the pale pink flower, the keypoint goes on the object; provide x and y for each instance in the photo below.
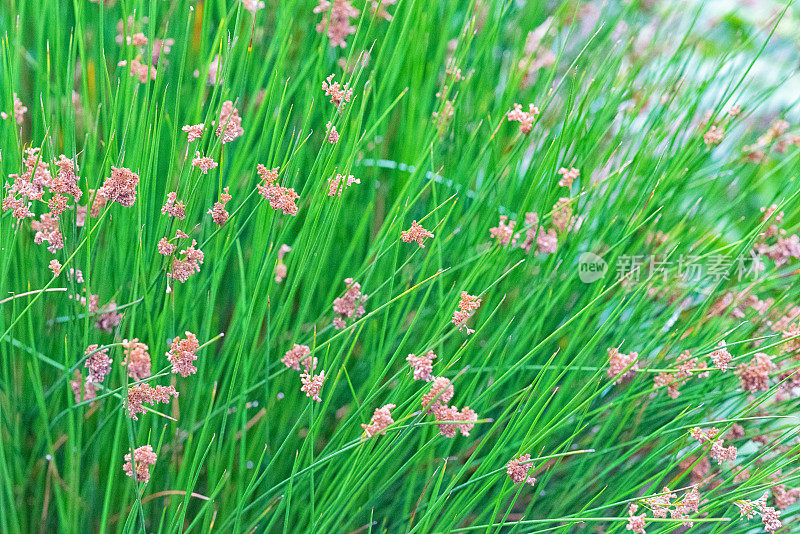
(183, 353)
(229, 124)
(714, 136)
(568, 176)
(770, 517)
(621, 366)
(145, 393)
(379, 8)
(253, 5)
(339, 95)
(47, 230)
(144, 458)
(381, 419)
(98, 363)
(450, 420)
(336, 20)
(57, 204)
(345, 181)
(524, 118)
(350, 305)
(441, 392)
(89, 388)
(218, 213)
(281, 198)
(193, 132)
(165, 247)
(331, 133)
(518, 469)
(55, 266)
(66, 181)
(182, 269)
(174, 207)
(717, 451)
(268, 175)
(547, 242)
(504, 231)
(137, 39)
(422, 365)
(280, 267)
(119, 187)
(204, 163)
(109, 317)
(466, 308)
(19, 109)
(299, 355)
(312, 385)
(687, 365)
(721, 357)
(636, 523)
(139, 70)
(754, 375)
(137, 359)
(562, 214)
(416, 233)
(17, 206)
(660, 503)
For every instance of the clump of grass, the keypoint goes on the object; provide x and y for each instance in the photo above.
(347, 266)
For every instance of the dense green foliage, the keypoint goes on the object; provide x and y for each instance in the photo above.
(623, 89)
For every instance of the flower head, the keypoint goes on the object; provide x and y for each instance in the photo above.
(218, 213)
(137, 359)
(524, 118)
(518, 469)
(183, 353)
(621, 366)
(416, 233)
(120, 187)
(381, 419)
(204, 163)
(174, 207)
(422, 365)
(336, 20)
(193, 131)
(299, 355)
(312, 385)
(229, 124)
(466, 308)
(145, 393)
(144, 458)
(339, 95)
(568, 176)
(98, 363)
(349, 305)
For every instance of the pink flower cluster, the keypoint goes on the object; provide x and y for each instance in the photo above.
(336, 20)
(518, 469)
(204, 163)
(687, 366)
(280, 198)
(339, 95)
(568, 176)
(524, 118)
(137, 359)
(754, 375)
(229, 123)
(218, 213)
(449, 419)
(381, 419)
(120, 186)
(280, 267)
(350, 305)
(174, 207)
(717, 451)
(98, 363)
(312, 385)
(144, 458)
(299, 355)
(466, 308)
(345, 181)
(770, 517)
(145, 393)
(183, 353)
(621, 366)
(422, 365)
(416, 234)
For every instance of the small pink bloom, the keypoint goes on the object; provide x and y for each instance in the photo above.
(416, 233)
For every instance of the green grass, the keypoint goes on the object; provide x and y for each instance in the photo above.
(242, 448)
